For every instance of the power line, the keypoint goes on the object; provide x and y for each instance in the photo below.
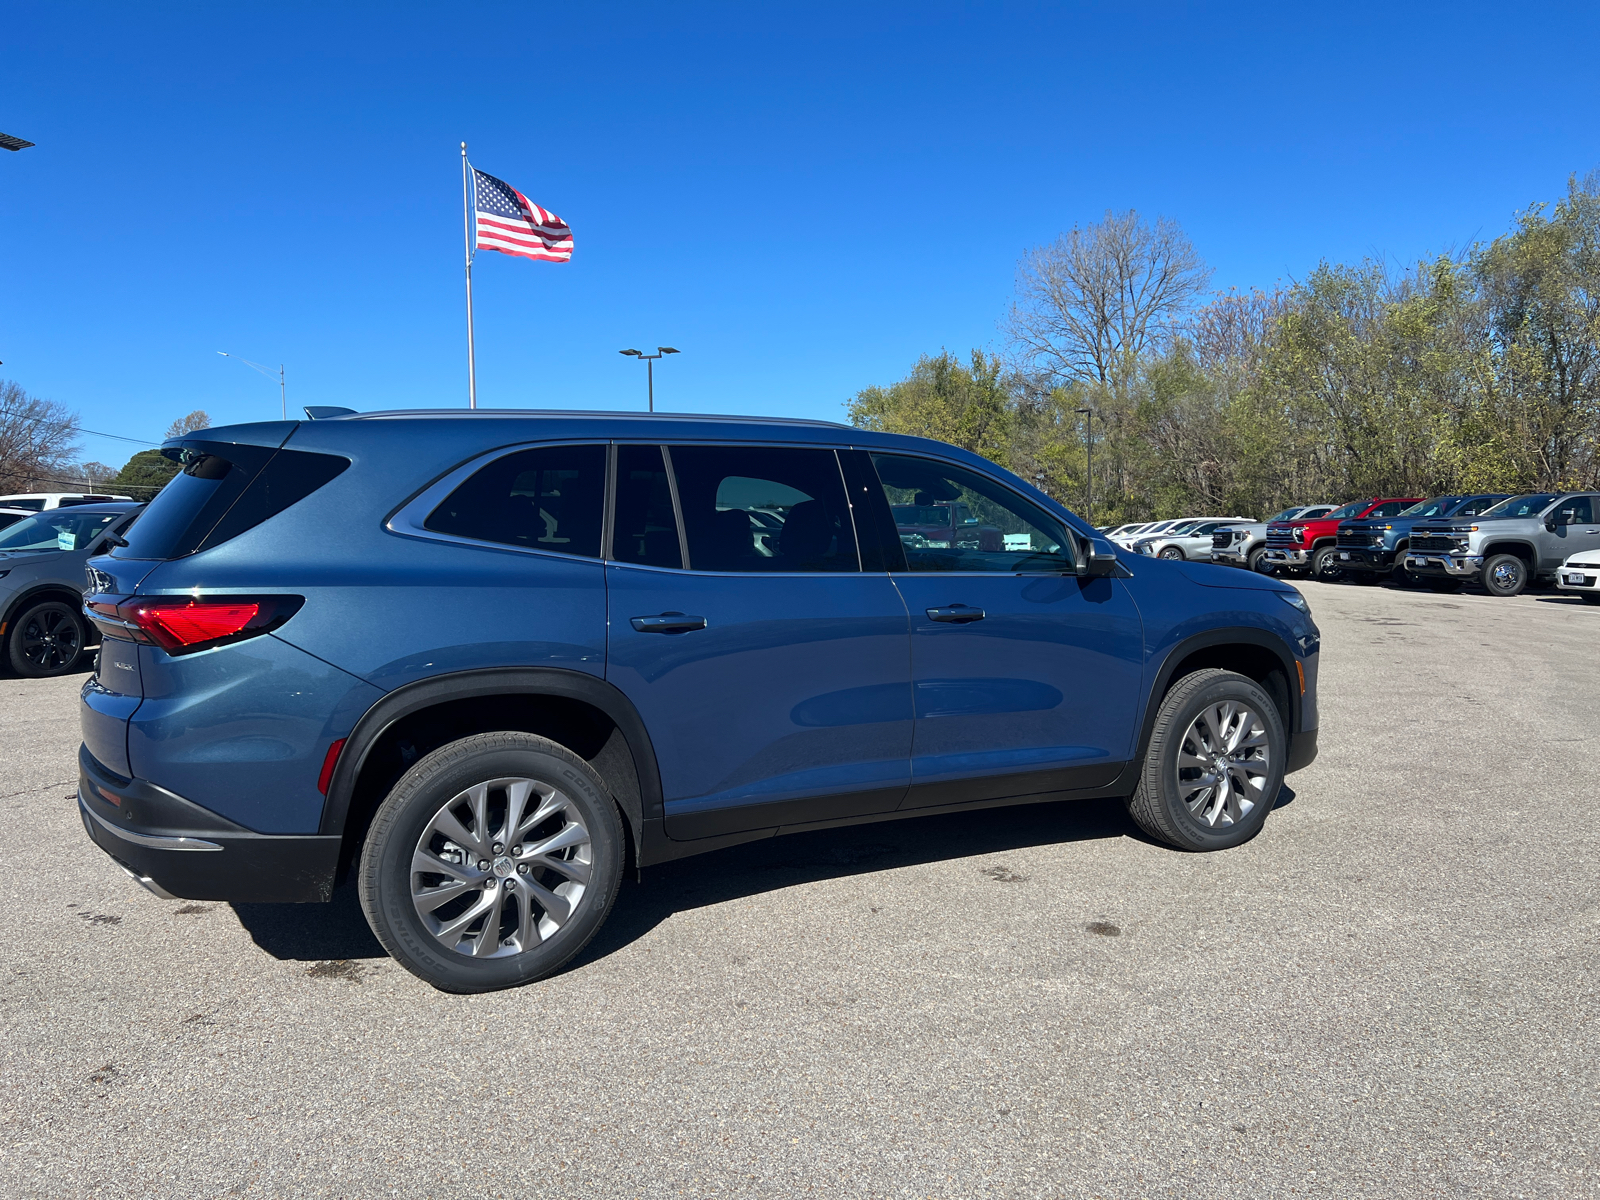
(116, 437)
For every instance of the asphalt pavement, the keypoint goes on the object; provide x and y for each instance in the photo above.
(1391, 992)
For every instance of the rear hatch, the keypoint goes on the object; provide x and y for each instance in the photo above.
(232, 480)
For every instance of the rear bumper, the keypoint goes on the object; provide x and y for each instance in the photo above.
(1453, 566)
(177, 849)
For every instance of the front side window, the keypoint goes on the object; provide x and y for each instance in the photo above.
(1475, 506)
(1001, 533)
(57, 529)
(763, 509)
(1391, 508)
(1523, 506)
(550, 498)
(1576, 511)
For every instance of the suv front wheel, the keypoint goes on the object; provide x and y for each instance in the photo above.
(1214, 764)
(492, 862)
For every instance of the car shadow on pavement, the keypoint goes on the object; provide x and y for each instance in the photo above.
(338, 930)
(312, 932)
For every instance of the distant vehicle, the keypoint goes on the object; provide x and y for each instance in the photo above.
(1237, 545)
(42, 628)
(45, 501)
(1580, 573)
(1370, 548)
(1307, 545)
(1518, 541)
(10, 516)
(1192, 544)
(944, 525)
(1124, 535)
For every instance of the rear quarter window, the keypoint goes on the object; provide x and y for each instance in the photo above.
(222, 491)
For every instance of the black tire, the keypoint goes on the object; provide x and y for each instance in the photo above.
(1170, 552)
(1324, 566)
(1400, 575)
(46, 640)
(385, 878)
(1444, 587)
(1254, 561)
(1590, 597)
(1365, 577)
(1158, 807)
(1504, 575)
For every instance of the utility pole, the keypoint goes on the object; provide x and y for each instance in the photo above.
(283, 392)
(1088, 444)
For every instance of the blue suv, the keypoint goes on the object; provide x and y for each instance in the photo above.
(487, 661)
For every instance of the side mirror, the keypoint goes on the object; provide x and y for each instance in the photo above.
(1100, 560)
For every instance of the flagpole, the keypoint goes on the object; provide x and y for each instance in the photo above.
(466, 237)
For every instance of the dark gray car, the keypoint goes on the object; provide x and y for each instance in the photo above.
(42, 560)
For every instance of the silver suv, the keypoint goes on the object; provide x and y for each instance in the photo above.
(1190, 540)
(1516, 542)
(1242, 545)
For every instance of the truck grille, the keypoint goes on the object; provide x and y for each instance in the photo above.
(1355, 539)
(1222, 539)
(1280, 539)
(1434, 543)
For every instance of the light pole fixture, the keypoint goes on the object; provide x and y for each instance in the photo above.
(283, 393)
(649, 368)
(1088, 445)
(7, 142)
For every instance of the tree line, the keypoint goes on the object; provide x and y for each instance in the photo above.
(39, 451)
(1477, 371)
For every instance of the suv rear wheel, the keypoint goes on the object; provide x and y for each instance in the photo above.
(492, 862)
(1504, 575)
(46, 640)
(1214, 764)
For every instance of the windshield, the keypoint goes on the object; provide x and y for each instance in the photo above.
(1181, 527)
(1437, 507)
(1348, 511)
(1284, 515)
(1523, 506)
(58, 529)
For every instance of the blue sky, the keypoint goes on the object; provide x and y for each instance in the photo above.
(801, 198)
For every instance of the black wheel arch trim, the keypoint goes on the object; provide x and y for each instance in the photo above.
(1226, 636)
(498, 681)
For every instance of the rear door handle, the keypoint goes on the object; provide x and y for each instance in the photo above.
(668, 623)
(956, 614)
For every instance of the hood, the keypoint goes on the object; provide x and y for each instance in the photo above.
(1207, 575)
(1584, 558)
(32, 556)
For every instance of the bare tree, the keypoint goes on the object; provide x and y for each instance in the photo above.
(198, 419)
(1096, 300)
(38, 440)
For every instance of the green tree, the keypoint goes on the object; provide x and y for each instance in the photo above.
(143, 475)
(967, 406)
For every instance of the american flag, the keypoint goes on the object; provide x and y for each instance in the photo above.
(512, 224)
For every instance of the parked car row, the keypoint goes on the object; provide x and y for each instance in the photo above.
(1502, 543)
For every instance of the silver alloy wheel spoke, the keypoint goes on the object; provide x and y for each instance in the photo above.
(1222, 764)
(470, 861)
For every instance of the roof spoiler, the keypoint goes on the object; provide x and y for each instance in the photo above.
(324, 412)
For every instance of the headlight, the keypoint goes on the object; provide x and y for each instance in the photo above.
(1294, 598)
(1299, 532)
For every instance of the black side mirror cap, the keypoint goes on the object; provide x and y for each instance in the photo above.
(1100, 560)
(1550, 526)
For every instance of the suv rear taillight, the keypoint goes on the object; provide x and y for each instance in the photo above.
(186, 624)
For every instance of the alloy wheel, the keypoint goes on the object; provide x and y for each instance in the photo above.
(501, 868)
(51, 639)
(1223, 764)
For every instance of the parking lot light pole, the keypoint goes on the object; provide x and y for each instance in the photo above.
(283, 393)
(649, 368)
(1088, 443)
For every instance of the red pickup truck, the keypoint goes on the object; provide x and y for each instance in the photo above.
(1307, 547)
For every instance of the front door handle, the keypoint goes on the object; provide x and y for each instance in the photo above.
(956, 614)
(668, 623)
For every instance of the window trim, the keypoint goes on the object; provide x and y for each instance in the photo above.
(407, 520)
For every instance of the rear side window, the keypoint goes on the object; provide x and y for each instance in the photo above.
(550, 498)
(222, 491)
(764, 508)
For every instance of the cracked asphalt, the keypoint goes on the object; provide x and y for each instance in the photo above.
(1390, 992)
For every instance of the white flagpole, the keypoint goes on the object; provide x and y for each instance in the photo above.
(466, 234)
